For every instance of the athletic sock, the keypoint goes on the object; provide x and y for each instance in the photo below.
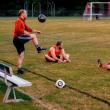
(38, 48)
(38, 45)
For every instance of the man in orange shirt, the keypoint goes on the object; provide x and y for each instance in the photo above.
(23, 34)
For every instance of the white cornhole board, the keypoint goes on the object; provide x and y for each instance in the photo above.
(12, 81)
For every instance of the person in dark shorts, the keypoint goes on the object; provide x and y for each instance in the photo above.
(23, 34)
(57, 54)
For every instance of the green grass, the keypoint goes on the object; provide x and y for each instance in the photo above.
(86, 42)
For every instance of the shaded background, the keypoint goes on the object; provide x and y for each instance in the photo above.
(49, 7)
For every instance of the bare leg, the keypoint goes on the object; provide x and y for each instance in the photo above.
(65, 56)
(20, 60)
(103, 66)
(36, 43)
(49, 58)
(34, 39)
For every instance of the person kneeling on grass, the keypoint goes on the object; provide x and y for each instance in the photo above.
(57, 54)
(105, 66)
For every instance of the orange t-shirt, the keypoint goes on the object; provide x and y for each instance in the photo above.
(20, 27)
(57, 51)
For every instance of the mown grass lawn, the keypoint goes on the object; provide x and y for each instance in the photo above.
(86, 42)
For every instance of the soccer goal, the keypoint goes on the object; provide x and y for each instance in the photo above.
(97, 10)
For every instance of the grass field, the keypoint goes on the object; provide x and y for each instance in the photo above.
(88, 88)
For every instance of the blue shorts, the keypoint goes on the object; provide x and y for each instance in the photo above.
(19, 42)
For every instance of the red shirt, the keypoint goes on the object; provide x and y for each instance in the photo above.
(57, 52)
(20, 27)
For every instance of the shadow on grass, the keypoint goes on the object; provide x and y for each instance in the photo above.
(19, 94)
(27, 70)
(70, 87)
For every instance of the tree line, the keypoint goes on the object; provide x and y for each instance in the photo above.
(66, 7)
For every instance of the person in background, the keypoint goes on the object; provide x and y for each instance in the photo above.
(105, 66)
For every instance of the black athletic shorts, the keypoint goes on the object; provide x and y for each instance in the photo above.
(20, 41)
(52, 61)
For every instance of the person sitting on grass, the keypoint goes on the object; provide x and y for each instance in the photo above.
(57, 54)
(105, 66)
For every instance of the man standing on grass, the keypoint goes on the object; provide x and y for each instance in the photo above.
(23, 34)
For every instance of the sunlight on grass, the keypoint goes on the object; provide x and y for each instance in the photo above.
(85, 41)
